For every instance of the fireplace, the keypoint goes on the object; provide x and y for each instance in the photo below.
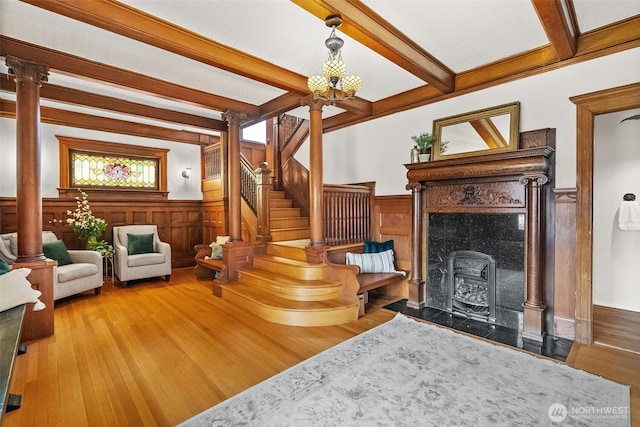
(471, 285)
(483, 253)
(497, 205)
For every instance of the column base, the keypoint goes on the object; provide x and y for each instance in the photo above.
(417, 294)
(533, 322)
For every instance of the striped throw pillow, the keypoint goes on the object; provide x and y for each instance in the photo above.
(381, 262)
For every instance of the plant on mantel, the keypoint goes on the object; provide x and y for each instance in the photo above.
(425, 141)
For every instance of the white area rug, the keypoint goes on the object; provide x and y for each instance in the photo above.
(408, 373)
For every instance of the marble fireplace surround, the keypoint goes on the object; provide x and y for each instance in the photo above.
(514, 182)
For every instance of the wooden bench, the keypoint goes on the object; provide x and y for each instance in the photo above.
(207, 268)
(391, 283)
(10, 329)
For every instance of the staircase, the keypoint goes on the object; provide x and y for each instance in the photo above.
(286, 222)
(282, 288)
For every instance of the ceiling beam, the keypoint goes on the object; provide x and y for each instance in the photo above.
(102, 102)
(594, 44)
(106, 124)
(84, 68)
(364, 25)
(129, 22)
(554, 22)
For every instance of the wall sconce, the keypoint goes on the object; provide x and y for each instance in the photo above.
(186, 173)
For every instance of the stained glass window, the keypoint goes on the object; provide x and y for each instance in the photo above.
(112, 168)
(89, 169)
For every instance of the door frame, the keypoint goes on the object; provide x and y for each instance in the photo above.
(587, 107)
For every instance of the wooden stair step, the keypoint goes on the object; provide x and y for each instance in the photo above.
(281, 203)
(288, 287)
(298, 221)
(289, 312)
(284, 212)
(281, 249)
(294, 233)
(290, 267)
(274, 194)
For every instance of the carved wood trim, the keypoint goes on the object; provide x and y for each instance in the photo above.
(510, 182)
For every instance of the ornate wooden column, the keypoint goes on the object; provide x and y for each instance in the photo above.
(29, 76)
(533, 305)
(316, 202)
(417, 286)
(234, 120)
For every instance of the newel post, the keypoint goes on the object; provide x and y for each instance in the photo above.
(264, 186)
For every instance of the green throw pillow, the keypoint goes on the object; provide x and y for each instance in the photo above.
(4, 267)
(140, 244)
(376, 247)
(57, 251)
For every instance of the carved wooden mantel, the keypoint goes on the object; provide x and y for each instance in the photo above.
(494, 183)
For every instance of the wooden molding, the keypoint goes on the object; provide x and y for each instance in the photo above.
(587, 107)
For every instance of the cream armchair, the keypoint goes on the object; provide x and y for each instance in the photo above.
(83, 274)
(141, 256)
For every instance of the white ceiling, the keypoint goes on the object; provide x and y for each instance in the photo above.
(461, 34)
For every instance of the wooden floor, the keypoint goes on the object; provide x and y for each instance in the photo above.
(157, 353)
(613, 327)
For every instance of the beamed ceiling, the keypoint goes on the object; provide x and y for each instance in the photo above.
(145, 66)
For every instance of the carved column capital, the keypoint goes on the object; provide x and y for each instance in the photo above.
(233, 118)
(24, 70)
(414, 186)
(531, 179)
(312, 103)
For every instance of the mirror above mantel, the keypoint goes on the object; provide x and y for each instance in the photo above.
(486, 131)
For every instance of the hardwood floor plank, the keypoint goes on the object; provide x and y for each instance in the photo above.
(616, 328)
(157, 353)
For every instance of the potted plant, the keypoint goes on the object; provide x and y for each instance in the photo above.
(424, 142)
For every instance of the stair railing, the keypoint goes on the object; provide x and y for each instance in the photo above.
(255, 188)
(347, 214)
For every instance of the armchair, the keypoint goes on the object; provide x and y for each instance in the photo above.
(141, 256)
(82, 274)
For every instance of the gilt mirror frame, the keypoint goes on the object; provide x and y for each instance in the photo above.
(488, 126)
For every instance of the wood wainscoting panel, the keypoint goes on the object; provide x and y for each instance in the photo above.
(214, 220)
(391, 220)
(179, 221)
(565, 263)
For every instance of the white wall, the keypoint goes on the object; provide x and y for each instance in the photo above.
(180, 156)
(377, 150)
(616, 254)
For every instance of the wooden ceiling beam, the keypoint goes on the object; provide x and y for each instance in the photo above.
(367, 27)
(127, 21)
(91, 70)
(60, 117)
(603, 41)
(102, 102)
(556, 26)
